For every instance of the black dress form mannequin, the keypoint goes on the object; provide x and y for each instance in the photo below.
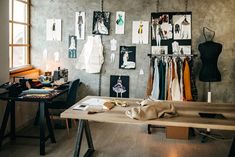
(210, 52)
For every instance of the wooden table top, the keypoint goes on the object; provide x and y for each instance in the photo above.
(187, 114)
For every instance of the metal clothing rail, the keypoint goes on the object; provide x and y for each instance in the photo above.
(172, 55)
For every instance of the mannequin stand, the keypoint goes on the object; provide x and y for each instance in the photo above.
(208, 131)
(209, 94)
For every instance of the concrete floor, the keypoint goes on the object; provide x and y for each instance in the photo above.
(119, 140)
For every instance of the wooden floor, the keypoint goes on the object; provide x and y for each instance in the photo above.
(119, 140)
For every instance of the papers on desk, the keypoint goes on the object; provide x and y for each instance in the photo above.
(92, 104)
(37, 91)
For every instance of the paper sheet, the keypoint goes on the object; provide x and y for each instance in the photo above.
(90, 103)
(95, 101)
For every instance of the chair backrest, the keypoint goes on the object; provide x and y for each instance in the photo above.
(72, 93)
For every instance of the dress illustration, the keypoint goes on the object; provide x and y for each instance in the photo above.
(53, 30)
(120, 20)
(140, 32)
(99, 27)
(127, 64)
(80, 23)
(72, 48)
(119, 88)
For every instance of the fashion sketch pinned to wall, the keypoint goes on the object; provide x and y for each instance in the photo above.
(171, 30)
(120, 22)
(119, 86)
(159, 49)
(80, 25)
(72, 46)
(185, 49)
(140, 31)
(53, 29)
(101, 23)
(127, 58)
(182, 27)
(161, 28)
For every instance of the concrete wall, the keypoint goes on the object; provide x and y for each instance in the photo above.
(218, 15)
(4, 61)
(4, 27)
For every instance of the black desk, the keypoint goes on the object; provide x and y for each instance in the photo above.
(43, 118)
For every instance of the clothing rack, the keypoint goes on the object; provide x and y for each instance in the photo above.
(172, 55)
(166, 55)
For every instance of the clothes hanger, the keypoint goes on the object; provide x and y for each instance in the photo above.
(204, 33)
(185, 22)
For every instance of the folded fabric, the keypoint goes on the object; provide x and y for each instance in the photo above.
(37, 91)
(146, 102)
(151, 112)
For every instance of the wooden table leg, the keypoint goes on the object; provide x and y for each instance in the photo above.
(232, 149)
(4, 122)
(13, 127)
(83, 124)
(49, 126)
(42, 128)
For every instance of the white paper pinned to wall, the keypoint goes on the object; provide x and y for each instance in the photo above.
(80, 25)
(120, 22)
(57, 56)
(113, 45)
(53, 29)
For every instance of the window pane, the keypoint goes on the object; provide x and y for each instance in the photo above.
(10, 56)
(10, 9)
(20, 12)
(19, 34)
(19, 56)
(10, 32)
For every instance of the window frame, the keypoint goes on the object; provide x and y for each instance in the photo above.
(26, 24)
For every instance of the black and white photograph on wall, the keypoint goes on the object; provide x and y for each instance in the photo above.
(140, 30)
(80, 25)
(182, 27)
(72, 53)
(185, 50)
(120, 22)
(101, 23)
(53, 27)
(171, 29)
(119, 86)
(159, 50)
(127, 58)
(161, 28)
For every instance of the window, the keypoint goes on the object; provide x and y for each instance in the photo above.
(19, 37)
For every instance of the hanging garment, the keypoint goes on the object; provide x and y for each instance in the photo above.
(166, 72)
(155, 91)
(193, 82)
(175, 90)
(150, 79)
(91, 57)
(162, 66)
(187, 82)
(169, 80)
(180, 77)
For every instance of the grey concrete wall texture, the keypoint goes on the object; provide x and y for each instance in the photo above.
(4, 63)
(218, 15)
(4, 39)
